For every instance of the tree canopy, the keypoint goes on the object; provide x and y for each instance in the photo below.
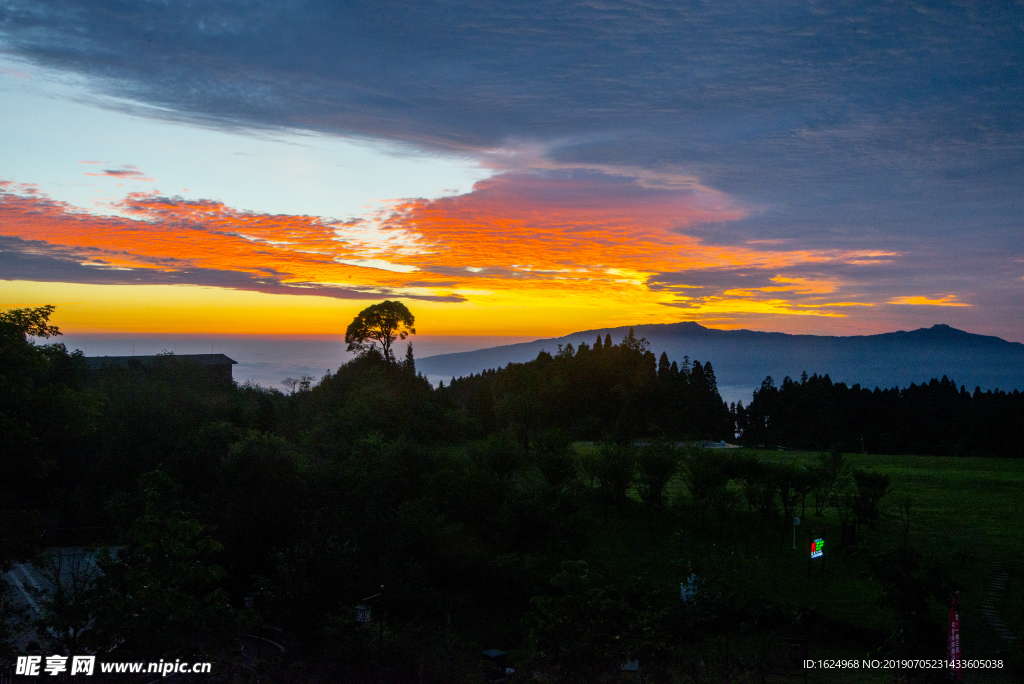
(34, 322)
(380, 323)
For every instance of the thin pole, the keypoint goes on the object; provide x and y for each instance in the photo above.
(380, 631)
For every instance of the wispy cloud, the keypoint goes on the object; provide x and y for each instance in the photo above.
(126, 172)
(177, 242)
(527, 238)
(946, 300)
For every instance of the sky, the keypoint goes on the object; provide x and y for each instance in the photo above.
(513, 169)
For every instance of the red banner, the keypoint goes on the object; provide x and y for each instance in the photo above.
(954, 639)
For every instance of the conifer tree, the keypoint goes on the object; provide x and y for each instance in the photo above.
(631, 342)
(709, 378)
(663, 366)
(410, 362)
(697, 376)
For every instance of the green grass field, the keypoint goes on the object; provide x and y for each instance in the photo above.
(959, 504)
(966, 515)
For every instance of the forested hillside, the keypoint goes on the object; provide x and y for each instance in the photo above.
(742, 358)
(604, 391)
(546, 509)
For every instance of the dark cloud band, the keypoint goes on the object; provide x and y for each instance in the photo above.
(36, 260)
(848, 120)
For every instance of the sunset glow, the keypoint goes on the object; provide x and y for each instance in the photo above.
(501, 196)
(510, 257)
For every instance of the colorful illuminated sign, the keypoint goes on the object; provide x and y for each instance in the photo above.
(817, 548)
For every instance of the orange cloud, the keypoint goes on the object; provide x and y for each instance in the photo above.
(584, 233)
(610, 248)
(947, 300)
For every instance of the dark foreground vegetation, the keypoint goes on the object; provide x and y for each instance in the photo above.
(548, 509)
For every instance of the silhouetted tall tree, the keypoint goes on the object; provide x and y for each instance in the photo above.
(382, 324)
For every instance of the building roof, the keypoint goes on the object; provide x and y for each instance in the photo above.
(98, 362)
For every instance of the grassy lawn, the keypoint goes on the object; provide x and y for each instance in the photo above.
(975, 505)
(966, 513)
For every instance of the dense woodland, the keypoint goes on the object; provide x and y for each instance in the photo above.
(608, 391)
(491, 510)
(934, 419)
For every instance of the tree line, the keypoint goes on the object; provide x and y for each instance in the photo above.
(606, 391)
(934, 418)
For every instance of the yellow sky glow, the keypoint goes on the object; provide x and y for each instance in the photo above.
(516, 256)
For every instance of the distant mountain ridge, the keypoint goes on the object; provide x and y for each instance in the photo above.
(743, 358)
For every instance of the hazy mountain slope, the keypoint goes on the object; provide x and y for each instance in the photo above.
(742, 358)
